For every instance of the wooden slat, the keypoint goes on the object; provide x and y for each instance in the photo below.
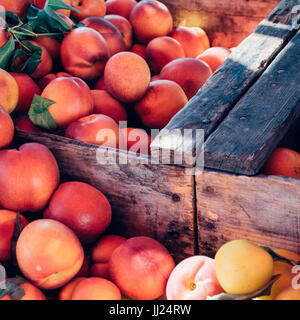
(227, 85)
(262, 209)
(251, 131)
(147, 199)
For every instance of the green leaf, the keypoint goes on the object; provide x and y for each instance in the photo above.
(278, 257)
(12, 19)
(59, 4)
(6, 52)
(40, 115)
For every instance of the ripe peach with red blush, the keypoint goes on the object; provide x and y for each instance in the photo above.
(138, 141)
(120, 7)
(6, 128)
(215, 57)
(88, 8)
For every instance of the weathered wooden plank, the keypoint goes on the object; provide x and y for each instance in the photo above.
(147, 199)
(245, 139)
(227, 85)
(226, 22)
(262, 209)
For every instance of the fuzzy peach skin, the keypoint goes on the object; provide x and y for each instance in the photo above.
(108, 31)
(43, 82)
(138, 141)
(23, 122)
(48, 253)
(28, 177)
(30, 293)
(9, 91)
(72, 97)
(88, 8)
(194, 40)
(191, 74)
(139, 49)
(193, 279)
(96, 289)
(215, 57)
(146, 267)
(82, 208)
(127, 77)
(27, 89)
(18, 7)
(67, 291)
(84, 53)
(7, 129)
(150, 19)
(120, 7)
(162, 100)
(105, 104)
(7, 225)
(124, 26)
(162, 50)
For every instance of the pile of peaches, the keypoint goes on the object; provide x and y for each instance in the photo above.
(120, 60)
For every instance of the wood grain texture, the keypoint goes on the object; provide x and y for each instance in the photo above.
(147, 199)
(226, 22)
(228, 84)
(246, 138)
(262, 209)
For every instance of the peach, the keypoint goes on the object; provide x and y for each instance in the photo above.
(4, 36)
(82, 208)
(6, 129)
(48, 253)
(43, 82)
(109, 32)
(124, 26)
(189, 73)
(162, 50)
(120, 7)
(96, 129)
(146, 267)
(194, 40)
(283, 162)
(7, 226)
(41, 3)
(138, 141)
(100, 85)
(85, 268)
(9, 91)
(52, 45)
(88, 8)
(67, 291)
(72, 100)
(150, 19)
(105, 104)
(139, 49)
(67, 20)
(214, 57)
(100, 270)
(127, 77)
(27, 89)
(96, 289)
(84, 53)
(20, 289)
(30, 189)
(23, 122)
(105, 247)
(19, 7)
(156, 77)
(284, 267)
(163, 99)
(193, 279)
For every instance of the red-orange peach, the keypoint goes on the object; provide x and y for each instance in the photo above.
(22, 291)
(9, 91)
(82, 208)
(41, 3)
(150, 19)
(162, 50)
(84, 53)
(127, 77)
(100, 270)
(85, 268)
(193, 40)
(88, 8)
(30, 189)
(193, 279)
(43, 82)
(215, 57)
(52, 45)
(23, 122)
(67, 291)
(7, 225)
(66, 19)
(139, 49)
(27, 89)
(4, 36)
(138, 141)
(105, 104)
(120, 7)
(72, 97)
(124, 26)
(109, 32)
(6, 129)
(189, 73)
(100, 85)
(19, 7)
(146, 267)
(162, 101)
(48, 253)
(96, 289)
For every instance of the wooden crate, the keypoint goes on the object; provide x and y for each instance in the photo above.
(245, 109)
